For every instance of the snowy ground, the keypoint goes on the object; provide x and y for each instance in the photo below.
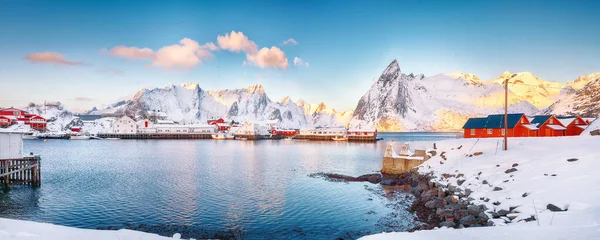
(16, 229)
(543, 176)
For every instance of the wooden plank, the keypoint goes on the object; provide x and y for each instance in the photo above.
(13, 172)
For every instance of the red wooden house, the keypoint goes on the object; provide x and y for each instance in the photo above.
(285, 132)
(493, 126)
(5, 121)
(36, 122)
(549, 126)
(574, 124)
(12, 112)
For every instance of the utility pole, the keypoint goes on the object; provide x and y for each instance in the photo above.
(505, 115)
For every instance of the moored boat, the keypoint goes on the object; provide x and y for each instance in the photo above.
(222, 136)
(29, 136)
(79, 137)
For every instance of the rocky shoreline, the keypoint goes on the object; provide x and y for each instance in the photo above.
(434, 205)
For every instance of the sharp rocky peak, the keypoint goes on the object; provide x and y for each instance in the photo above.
(285, 99)
(255, 88)
(190, 85)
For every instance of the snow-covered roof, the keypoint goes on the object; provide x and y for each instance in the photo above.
(164, 122)
(362, 130)
(566, 121)
(556, 127)
(531, 126)
(582, 126)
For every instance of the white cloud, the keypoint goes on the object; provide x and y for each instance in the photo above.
(266, 57)
(187, 54)
(299, 62)
(290, 41)
(236, 42)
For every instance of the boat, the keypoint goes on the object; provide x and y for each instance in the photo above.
(79, 137)
(242, 139)
(222, 136)
(29, 136)
(338, 138)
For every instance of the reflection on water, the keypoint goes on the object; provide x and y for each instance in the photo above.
(204, 188)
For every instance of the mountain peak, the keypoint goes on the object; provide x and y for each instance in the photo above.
(392, 67)
(285, 99)
(255, 88)
(465, 76)
(190, 85)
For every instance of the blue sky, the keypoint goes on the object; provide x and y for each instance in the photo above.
(346, 43)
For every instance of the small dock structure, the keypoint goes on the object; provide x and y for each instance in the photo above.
(394, 163)
(15, 169)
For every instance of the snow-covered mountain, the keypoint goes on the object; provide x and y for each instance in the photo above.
(190, 103)
(581, 97)
(409, 102)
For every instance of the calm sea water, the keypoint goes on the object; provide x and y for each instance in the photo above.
(205, 188)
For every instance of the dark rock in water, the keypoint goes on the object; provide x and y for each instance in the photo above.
(554, 208)
(468, 220)
(515, 165)
(448, 224)
(510, 170)
(572, 159)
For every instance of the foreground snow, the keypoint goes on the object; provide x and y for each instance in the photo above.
(543, 177)
(17, 229)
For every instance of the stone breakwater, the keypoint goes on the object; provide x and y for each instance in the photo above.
(435, 205)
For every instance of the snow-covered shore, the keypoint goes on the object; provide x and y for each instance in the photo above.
(17, 229)
(559, 171)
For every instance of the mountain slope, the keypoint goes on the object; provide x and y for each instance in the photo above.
(408, 102)
(191, 104)
(584, 102)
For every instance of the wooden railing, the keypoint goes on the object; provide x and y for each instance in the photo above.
(20, 171)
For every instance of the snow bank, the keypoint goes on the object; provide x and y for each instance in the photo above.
(561, 171)
(17, 229)
(595, 125)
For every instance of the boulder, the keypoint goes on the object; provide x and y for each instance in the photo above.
(572, 159)
(554, 208)
(510, 170)
(515, 165)
(468, 220)
(447, 224)
(498, 189)
(435, 203)
(460, 182)
(474, 210)
(502, 212)
(477, 153)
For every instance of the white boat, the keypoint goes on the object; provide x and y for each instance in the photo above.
(338, 138)
(79, 137)
(288, 138)
(29, 136)
(222, 136)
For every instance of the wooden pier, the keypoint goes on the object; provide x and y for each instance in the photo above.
(330, 138)
(154, 136)
(21, 171)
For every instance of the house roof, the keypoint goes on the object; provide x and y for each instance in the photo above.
(493, 121)
(540, 119)
(556, 127)
(566, 120)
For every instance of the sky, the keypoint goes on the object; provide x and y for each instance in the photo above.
(93, 53)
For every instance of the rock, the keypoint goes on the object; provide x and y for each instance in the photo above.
(432, 153)
(572, 159)
(447, 224)
(484, 182)
(545, 174)
(442, 162)
(434, 146)
(460, 175)
(484, 216)
(460, 226)
(459, 147)
(477, 153)
(515, 165)
(498, 189)
(387, 182)
(503, 213)
(510, 170)
(468, 220)
(460, 182)
(479, 174)
(553, 175)
(506, 180)
(490, 223)
(476, 225)
(468, 192)
(452, 199)
(435, 203)
(495, 215)
(496, 203)
(474, 210)
(529, 219)
(497, 165)
(446, 213)
(554, 208)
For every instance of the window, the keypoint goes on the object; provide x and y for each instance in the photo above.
(523, 120)
(503, 131)
(472, 131)
(550, 121)
(489, 131)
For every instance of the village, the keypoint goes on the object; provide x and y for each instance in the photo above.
(158, 125)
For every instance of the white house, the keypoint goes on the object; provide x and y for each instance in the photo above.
(125, 125)
(272, 124)
(184, 129)
(249, 128)
(324, 132)
(145, 126)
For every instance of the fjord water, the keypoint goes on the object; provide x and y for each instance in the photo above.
(206, 188)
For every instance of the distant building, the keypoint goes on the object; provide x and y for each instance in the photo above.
(574, 124)
(125, 125)
(145, 126)
(549, 126)
(17, 115)
(493, 126)
(272, 124)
